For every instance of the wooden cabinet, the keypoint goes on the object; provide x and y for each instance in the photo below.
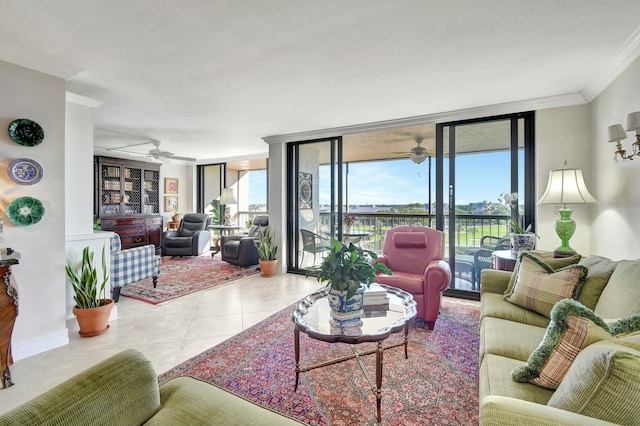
(127, 200)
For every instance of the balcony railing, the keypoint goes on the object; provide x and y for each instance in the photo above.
(469, 229)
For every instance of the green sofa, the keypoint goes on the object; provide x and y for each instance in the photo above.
(123, 390)
(509, 334)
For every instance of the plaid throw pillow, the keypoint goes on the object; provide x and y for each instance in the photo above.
(573, 327)
(538, 287)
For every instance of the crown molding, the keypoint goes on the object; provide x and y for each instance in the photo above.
(627, 53)
(464, 114)
(38, 62)
(82, 100)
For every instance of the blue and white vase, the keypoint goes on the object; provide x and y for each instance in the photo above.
(346, 313)
(523, 242)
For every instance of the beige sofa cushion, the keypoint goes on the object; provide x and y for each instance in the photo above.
(603, 383)
(538, 286)
(497, 338)
(495, 379)
(600, 270)
(621, 297)
(493, 305)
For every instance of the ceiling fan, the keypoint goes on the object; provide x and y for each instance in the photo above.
(156, 152)
(418, 153)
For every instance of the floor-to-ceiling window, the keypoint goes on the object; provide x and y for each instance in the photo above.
(480, 162)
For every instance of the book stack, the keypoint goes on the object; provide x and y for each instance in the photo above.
(375, 295)
(9, 254)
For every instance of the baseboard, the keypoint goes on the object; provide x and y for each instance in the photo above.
(39, 345)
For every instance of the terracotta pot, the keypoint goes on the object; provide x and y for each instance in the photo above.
(268, 267)
(94, 321)
(176, 218)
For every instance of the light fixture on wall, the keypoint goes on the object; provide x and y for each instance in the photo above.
(617, 133)
(565, 186)
(227, 197)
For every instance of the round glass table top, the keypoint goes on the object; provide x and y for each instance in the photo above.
(312, 316)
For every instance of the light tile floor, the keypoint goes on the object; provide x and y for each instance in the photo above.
(167, 334)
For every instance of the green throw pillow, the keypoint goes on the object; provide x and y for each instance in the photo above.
(573, 327)
(546, 256)
(538, 286)
(600, 270)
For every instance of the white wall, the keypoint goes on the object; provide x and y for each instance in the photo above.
(615, 230)
(40, 275)
(562, 134)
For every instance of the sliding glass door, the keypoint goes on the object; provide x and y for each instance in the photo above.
(314, 200)
(481, 162)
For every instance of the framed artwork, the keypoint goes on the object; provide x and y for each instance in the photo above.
(170, 204)
(305, 190)
(170, 185)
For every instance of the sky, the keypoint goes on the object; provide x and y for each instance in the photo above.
(479, 177)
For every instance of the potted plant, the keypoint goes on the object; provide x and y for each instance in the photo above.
(267, 253)
(92, 307)
(347, 270)
(520, 237)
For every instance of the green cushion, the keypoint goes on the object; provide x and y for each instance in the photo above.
(189, 401)
(621, 297)
(538, 286)
(493, 305)
(600, 270)
(495, 379)
(603, 383)
(496, 337)
(547, 256)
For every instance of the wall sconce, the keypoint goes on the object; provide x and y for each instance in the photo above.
(617, 133)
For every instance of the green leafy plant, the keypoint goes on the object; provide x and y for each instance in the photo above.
(347, 267)
(84, 280)
(215, 211)
(267, 249)
(97, 225)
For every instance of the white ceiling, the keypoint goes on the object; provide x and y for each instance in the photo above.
(210, 78)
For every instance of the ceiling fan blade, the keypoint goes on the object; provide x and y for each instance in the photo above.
(175, 157)
(128, 146)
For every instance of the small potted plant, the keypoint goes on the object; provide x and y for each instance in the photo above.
(267, 253)
(347, 270)
(93, 308)
(521, 237)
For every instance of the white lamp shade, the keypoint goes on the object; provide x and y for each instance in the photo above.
(616, 133)
(633, 121)
(227, 197)
(566, 187)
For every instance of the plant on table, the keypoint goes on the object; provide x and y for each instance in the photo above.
(348, 267)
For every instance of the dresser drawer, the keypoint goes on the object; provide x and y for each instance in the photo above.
(129, 230)
(111, 223)
(133, 240)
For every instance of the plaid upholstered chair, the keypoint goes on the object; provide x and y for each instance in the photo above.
(131, 265)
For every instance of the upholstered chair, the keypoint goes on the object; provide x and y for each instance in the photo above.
(415, 255)
(131, 265)
(241, 250)
(191, 239)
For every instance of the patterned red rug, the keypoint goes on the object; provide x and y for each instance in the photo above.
(437, 385)
(185, 275)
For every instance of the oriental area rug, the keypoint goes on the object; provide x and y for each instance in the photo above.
(180, 276)
(437, 385)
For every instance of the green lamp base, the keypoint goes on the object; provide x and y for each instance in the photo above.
(565, 227)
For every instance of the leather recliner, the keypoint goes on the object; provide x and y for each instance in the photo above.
(241, 250)
(415, 255)
(191, 239)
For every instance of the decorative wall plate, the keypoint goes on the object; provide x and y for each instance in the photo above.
(25, 211)
(25, 171)
(26, 132)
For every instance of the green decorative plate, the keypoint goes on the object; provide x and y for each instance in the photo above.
(26, 132)
(25, 211)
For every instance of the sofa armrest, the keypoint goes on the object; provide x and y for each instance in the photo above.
(503, 411)
(122, 389)
(225, 238)
(493, 281)
(201, 241)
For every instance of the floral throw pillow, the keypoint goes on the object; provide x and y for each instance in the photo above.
(539, 287)
(573, 327)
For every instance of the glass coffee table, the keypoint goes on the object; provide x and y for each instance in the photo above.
(312, 317)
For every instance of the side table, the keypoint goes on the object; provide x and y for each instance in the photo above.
(504, 260)
(8, 314)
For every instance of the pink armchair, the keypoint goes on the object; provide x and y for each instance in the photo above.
(415, 255)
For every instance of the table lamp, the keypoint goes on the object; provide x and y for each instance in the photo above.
(227, 197)
(565, 186)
